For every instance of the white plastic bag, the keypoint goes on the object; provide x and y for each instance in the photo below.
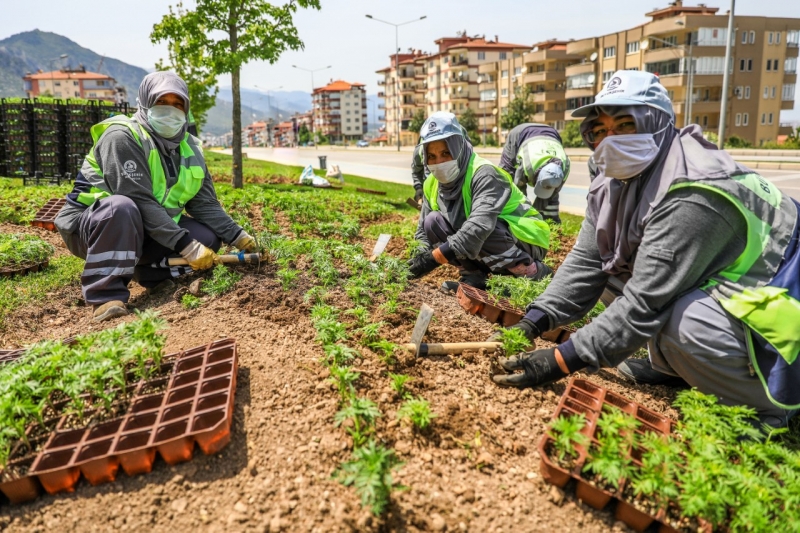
(307, 176)
(335, 173)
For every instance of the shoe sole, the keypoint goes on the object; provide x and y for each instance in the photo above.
(113, 312)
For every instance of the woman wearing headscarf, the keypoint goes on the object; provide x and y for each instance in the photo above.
(695, 255)
(473, 216)
(124, 215)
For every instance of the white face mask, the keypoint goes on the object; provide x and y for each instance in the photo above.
(166, 120)
(446, 172)
(624, 157)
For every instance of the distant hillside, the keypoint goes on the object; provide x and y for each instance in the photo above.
(32, 50)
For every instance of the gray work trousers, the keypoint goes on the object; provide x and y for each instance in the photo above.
(706, 347)
(500, 251)
(112, 240)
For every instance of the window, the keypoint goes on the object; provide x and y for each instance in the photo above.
(504, 92)
(792, 38)
(632, 48)
(77, 93)
(775, 65)
(708, 37)
(609, 51)
(502, 55)
(481, 55)
(770, 36)
(752, 37)
(745, 119)
(738, 119)
(738, 92)
(581, 81)
(503, 74)
(74, 83)
(517, 71)
(742, 65)
(787, 94)
(763, 118)
(766, 92)
(607, 75)
(772, 93)
(705, 121)
(777, 37)
(790, 65)
(769, 65)
(747, 93)
(769, 121)
(749, 65)
(58, 84)
(744, 37)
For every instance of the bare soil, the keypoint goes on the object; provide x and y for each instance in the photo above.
(475, 469)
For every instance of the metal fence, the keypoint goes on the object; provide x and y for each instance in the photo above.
(47, 141)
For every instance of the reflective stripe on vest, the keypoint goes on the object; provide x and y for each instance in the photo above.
(537, 151)
(523, 220)
(747, 289)
(191, 171)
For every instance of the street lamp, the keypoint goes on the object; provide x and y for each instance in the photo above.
(397, 66)
(723, 114)
(645, 43)
(313, 119)
(483, 105)
(62, 57)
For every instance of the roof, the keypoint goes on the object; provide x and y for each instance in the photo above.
(68, 75)
(336, 86)
(483, 44)
(552, 44)
(677, 8)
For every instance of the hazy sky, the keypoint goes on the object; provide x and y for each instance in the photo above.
(340, 35)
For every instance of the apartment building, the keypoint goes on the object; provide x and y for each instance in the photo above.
(446, 80)
(340, 111)
(763, 67)
(74, 83)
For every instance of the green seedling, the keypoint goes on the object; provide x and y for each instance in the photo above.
(287, 276)
(609, 461)
(339, 355)
(362, 413)
(190, 301)
(514, 341)
(370, 333)
(657, 477)
(316, 295)
(518, 291)
(18, 250)
(566, 434)
(370, 472)
(222, 280)
(330, 331)
(361, 314)
(344, 378)
(386, 350)
(399, 384)
(417, 411)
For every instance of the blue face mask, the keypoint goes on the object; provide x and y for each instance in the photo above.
(167, 121)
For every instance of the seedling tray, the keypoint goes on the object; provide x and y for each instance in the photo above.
(500, 311)
(192, 403)
(46, 216)
(584, 397)
(370, 191)
(24, 269)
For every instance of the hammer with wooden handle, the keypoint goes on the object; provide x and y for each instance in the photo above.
(417, 347)
(241, 257)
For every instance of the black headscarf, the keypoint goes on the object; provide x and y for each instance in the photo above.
(154, 86)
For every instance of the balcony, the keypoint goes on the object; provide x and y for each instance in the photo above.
(381, 106)
(583, 47)
(543, 55)
(457, 62)
(682, 80)
(548, 96)
(548, 116)
(580, 92)
(406, 74)
(698, 106)
(545, 75)
(787, 104)
(382, 82)
(460, 78)
(580, 68)
(381, 94)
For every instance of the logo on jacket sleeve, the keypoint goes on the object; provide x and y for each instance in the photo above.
(129, 167)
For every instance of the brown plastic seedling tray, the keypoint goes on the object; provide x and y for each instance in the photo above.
(192, 403)
(46, 216)
(24, 269)
(583, 396)
(370, 191)
(500, 311)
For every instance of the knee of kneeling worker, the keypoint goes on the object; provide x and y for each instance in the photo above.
(436, 226)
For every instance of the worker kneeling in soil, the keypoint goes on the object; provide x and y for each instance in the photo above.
(124, 215)
(473, 214)
(694, 254)
(534, 155)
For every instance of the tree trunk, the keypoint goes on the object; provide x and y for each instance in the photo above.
(238, 181)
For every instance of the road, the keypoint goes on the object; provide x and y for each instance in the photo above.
(396, 167)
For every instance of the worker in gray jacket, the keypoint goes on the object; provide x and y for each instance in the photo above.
(473, 216)
(697, 256)
(125, 214)
(535, 156)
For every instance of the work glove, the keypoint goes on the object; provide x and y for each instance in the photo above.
(245, 242)
(539, 367)
(418, 194)
(198, 256)
(422, 263)
(526, 326)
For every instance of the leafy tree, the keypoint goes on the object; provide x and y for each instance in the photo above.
(571, 134)
(734, 141)
(223, 35)
(520, 109)
(200, 79)
(303, 135)
(417, 121)
(469, 121)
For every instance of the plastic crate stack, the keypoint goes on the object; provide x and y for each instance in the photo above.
(48, 141)
(16, 138)
(79, 119)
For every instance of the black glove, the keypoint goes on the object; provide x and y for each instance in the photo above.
(539, 368)
(418, 194)
(421, 264)
(526, 326)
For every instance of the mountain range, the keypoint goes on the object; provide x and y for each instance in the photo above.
(34, 50)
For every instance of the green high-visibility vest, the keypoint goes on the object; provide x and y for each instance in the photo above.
(523, 220)
(191, 173)
(537, 151)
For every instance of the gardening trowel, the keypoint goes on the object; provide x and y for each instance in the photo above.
(419, 348)
(413, 203)
(241, 257)
(380, 246)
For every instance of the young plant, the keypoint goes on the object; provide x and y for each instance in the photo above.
(514, 341)
(610, 461)
(190, 301)
(18, 250)
(657, 477)
(370, 472)
(339, 354)
(221, 281)
(371, 333)
(399, 384)
(344, 378)
(287, 276)
(518, 291)
(362, 412)
(386, 351)
(566, 434)
(361, 314)
(417, 411)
